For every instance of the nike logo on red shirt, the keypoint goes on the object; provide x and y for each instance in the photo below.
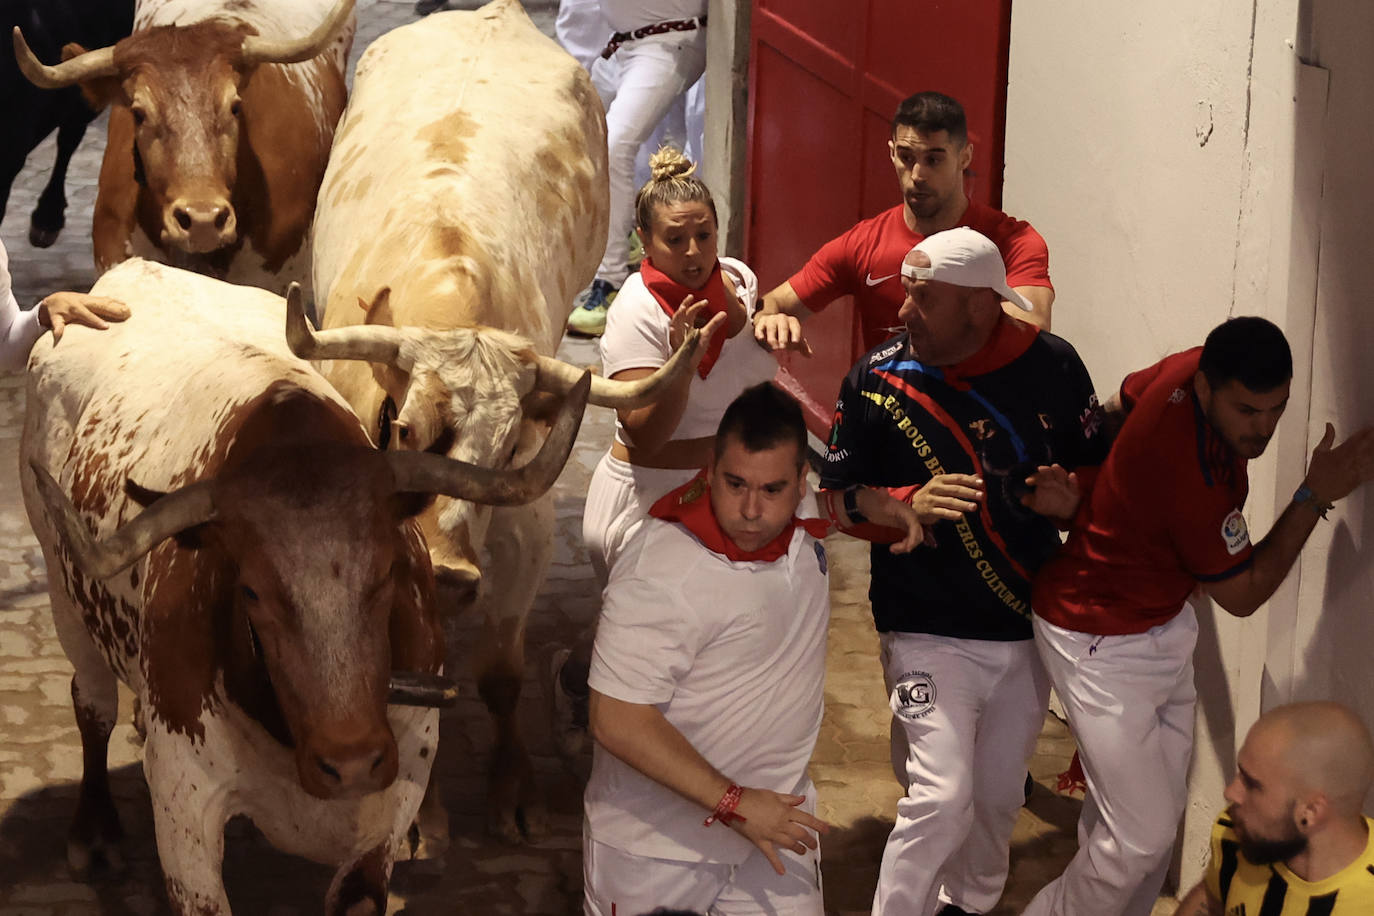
(872, 282)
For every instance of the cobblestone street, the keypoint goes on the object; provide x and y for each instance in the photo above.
(40, 755)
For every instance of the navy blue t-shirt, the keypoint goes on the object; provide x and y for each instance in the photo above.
(1024, 400)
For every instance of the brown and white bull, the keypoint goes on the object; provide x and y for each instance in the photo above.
(221, 536)
(464, 205)
(222, 115)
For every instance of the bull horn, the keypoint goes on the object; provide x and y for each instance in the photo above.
(88, 66)
(556, 377)
(184, 508)
(374, 343)
(424, 472)
(257, 50)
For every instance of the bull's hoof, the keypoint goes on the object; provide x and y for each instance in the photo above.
(428, 842)
(526, 823)
(94, 860)
(42, 238)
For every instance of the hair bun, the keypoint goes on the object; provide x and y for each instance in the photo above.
(669, 163)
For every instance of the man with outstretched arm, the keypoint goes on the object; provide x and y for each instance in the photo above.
(984, 424)
(707, 683)
(930, 151)
(1111, 620)
(1294, 841)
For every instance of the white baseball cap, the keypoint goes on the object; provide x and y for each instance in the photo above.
(964, 257)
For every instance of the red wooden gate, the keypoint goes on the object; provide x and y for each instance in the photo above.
(825, 77)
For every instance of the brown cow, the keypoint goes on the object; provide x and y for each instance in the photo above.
(223, 115)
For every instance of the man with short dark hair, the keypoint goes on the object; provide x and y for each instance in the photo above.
(1111, 619)
(981, 422)
(1294, 841)
(707, 684)
(930, 150)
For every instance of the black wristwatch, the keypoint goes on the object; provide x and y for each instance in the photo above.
(851, 506)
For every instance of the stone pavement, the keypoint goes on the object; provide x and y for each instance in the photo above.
(40, 759)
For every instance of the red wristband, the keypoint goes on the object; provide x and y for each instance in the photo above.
(725, 808)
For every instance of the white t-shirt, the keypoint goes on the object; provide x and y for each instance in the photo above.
(636, 337)
(19, 330)
(628, 15)
(733, 654)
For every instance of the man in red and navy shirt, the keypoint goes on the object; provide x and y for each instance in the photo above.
(930, 152)
(1110, 616)
(978, 420)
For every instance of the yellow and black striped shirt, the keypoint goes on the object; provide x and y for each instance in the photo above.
(1272, 890)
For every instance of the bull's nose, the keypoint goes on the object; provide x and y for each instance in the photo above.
(352, 769)
(200, 226)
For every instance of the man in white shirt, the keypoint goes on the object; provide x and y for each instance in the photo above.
(707, 684)
(20, 330)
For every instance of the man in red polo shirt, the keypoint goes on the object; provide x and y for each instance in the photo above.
(1110, 615)
(930, 152)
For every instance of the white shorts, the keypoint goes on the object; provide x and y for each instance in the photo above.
(618, 499)
(618, 883)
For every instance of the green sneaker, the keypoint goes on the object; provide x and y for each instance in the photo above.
(589, 317)
(636, 252)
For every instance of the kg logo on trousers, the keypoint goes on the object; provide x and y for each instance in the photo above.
(913, 696)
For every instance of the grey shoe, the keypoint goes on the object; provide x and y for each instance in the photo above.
(425, 7)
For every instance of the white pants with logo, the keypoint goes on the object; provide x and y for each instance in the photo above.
(617, 883)
(966, 715)
(1129, 700)
(638, 84)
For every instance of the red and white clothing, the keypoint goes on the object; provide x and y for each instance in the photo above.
(19, 330)
(733, 654)
(866, 262)
(1112, 627)
(637, 338)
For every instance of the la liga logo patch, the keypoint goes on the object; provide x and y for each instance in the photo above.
(1235, 533)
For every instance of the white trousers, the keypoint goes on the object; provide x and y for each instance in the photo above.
(967, 713)
(1129, 701)
(618, 499)
(638, 84)
(618, 883)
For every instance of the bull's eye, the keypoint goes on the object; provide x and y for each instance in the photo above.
(250, 594)
(385, 415)
(140, 115)
(236, 107)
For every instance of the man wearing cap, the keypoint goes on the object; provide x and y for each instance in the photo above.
(1294, 841)
(1112, 621)
(930, 151)
(980, 421)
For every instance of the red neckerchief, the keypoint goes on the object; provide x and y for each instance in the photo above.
(670, 294)
(690, 506)
(1008, 341)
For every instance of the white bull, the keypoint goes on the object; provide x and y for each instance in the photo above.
(464, 205)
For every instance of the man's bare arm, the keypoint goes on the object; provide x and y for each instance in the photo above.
(1199, 902)
(1331, 475)
(1041, 298)
(640, 736)
(783, 299)
(777, 323)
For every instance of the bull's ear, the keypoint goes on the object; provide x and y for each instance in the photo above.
(379, 309)
(409, 505)
(97, 93)
(190, 538)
